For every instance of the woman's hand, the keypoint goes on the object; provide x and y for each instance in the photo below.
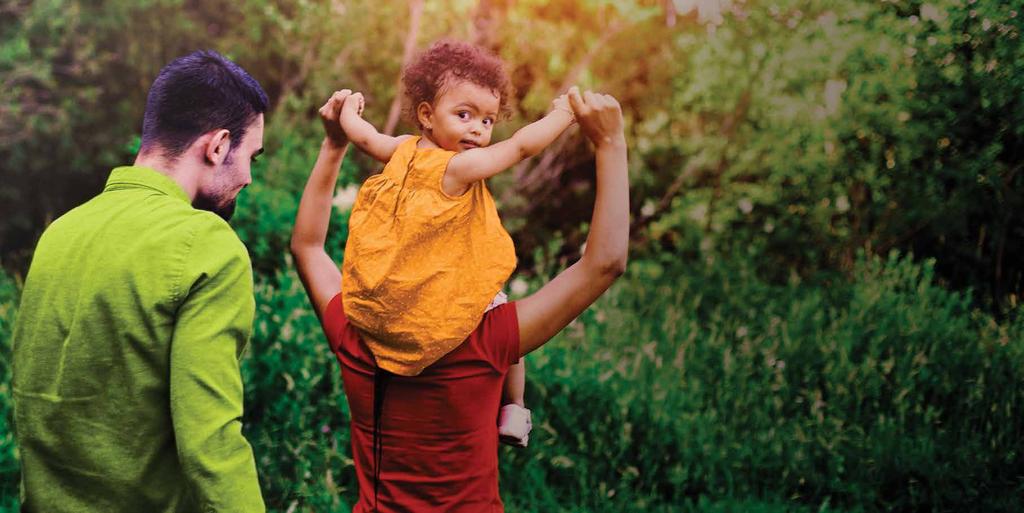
(599, 116)
(330, 116)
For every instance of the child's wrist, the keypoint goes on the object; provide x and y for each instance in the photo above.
(567, 112)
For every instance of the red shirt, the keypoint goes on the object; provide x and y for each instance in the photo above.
(439, 429)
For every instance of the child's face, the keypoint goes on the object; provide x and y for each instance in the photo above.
(462, 117)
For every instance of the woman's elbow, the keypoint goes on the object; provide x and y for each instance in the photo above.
(609, 267)
(615, 267)
(297, 246)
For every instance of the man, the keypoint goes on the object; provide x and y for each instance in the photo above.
(136, 309)
(429, 443)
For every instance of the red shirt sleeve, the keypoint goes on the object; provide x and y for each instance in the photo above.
(334, 322)
(499, 336)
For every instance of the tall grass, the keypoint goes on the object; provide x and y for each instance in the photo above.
(884, 393)
(690, 388)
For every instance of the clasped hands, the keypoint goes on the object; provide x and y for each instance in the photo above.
(599, 115)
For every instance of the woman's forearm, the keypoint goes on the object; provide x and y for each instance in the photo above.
(314, 213)
(608, 240)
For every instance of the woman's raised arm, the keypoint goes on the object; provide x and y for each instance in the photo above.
(319, 273)
(544, 313)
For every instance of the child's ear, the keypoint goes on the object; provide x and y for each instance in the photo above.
(425, 113)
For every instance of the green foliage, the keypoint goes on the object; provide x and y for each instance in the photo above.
(887, 393)
(798, 131)
(691, 388)
(266, 210)
(296, 413)
(759, 355)
(9, 466)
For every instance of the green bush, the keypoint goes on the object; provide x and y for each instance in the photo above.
(886, 393)
(688, 388)
(9, 466)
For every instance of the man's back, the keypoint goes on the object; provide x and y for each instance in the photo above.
(107, 353)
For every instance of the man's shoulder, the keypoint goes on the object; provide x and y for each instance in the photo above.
(160, 220)
(211, 228)
(213, 245)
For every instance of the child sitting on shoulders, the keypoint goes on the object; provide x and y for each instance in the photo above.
(427, 254)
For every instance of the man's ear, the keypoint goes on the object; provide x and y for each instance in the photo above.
(217, 147)
(425, 113)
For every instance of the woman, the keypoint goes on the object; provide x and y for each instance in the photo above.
(430, 442)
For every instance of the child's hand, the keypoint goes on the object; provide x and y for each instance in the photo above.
(354, 104)
(562, 103)
(330, 117)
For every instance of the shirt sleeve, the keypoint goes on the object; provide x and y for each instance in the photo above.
(212, 328)
(334, 322)
(500, 335)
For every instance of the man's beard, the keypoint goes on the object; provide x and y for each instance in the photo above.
(214, 204)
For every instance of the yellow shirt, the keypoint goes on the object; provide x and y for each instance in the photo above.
(421, 266)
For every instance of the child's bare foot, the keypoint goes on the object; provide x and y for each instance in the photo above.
(514, 425)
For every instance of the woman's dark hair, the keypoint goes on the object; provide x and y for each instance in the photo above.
(195, 94)
(448, 60)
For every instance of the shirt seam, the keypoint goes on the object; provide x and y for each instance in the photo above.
(177, 292)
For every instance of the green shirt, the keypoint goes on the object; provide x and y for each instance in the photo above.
(128, 395)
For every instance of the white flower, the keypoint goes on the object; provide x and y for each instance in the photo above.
(346, 197)
(698, 213)
(648, 209)
(930, 12)
(842, 204)
(746, 206)
(708, 11)
(519, 287)
(833, 93)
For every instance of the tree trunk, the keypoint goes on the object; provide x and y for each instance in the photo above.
(415, 13)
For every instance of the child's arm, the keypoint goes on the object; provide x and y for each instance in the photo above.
(515, 384)
(319, 273)
(363, 134)
(482, 163)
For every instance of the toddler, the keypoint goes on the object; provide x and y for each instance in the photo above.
(427, 255)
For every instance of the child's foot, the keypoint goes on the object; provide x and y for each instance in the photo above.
(514, 425)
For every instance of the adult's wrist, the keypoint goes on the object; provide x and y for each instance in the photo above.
(610, 142)
(333, 145)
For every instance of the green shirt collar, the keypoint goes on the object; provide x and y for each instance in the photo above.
(137, 176)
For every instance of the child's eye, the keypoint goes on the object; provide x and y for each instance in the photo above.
(488, 121)
(463, 114)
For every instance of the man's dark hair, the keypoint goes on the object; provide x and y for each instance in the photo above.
(195, 94)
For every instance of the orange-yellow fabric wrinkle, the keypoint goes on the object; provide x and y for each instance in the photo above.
(421, 266)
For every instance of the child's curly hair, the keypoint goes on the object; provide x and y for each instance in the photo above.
(447, 59)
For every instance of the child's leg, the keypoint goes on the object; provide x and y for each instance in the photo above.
(515, 383)
(514, 420)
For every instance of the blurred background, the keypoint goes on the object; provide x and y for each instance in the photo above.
(822, 305)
